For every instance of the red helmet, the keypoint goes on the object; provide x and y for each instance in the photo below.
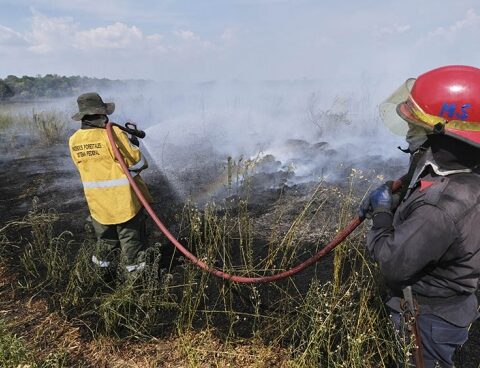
(445, 100)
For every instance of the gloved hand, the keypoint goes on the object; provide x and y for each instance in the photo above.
(378, 200)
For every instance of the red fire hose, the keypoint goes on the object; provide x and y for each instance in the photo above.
(340, 237)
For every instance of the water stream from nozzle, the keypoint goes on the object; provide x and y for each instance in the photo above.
(338, 239)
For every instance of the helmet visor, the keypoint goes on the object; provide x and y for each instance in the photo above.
(388, 108)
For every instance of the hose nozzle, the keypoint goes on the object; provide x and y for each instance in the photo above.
(131, 128)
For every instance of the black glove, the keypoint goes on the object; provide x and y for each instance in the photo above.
(134, 140)
(377, 201)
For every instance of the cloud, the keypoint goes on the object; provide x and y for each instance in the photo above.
(156, 42)
(229, 35)
(115, 36)
(465, 26)
(61, 45)
(104, 8)
(8, 37)
(394, 29)
(243, 39)
(50, 33)
(185, 35)
(191, 42)
(156, 37)
(54, 35)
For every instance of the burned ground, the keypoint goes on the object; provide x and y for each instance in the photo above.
(43, 176)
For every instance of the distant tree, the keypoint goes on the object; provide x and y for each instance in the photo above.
(12, 79)
(53, 86)
(5, 91)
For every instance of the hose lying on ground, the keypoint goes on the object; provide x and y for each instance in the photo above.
(340, 237)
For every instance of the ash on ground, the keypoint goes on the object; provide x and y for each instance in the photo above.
(202, 174)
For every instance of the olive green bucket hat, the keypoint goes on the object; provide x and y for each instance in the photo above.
(92, 104)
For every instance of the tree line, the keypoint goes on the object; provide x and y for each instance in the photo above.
(13, 88)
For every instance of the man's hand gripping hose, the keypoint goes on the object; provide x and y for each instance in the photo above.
(340, 237)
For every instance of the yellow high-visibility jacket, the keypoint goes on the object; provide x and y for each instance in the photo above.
(110, 198)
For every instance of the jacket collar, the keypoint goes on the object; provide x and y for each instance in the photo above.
(94, 123)
(428, 161)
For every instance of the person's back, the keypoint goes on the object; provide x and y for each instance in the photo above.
(117, 215)
(109, 196)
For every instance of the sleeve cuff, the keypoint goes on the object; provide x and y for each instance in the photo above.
(382, 219)
(139, 165)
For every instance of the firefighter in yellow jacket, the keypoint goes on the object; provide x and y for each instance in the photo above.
(117, 216)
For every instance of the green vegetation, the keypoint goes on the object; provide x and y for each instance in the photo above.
(49, 126)
(18, 130)
(6, 120)
(13, 352)
(26, 88)
(336, 323)
(5, 91)
(331, 316)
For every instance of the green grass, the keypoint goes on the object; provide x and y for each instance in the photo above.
(13, 352)
(46, 128)
(7, 120)
(339, 323)
(50, 126)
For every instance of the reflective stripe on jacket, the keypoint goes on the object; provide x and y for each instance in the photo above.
(110, 198)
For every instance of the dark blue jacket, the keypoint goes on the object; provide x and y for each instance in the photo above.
(433, 243)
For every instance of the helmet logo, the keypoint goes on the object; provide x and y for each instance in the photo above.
(451, 111)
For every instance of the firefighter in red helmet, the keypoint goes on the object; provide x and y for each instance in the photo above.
(427, 242)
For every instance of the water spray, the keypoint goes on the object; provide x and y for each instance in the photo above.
(338, 239)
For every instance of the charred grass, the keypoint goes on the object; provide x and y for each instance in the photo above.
(58, 310)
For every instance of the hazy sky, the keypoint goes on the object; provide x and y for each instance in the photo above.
(193, 40)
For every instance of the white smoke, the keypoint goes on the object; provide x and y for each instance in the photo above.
(299, 129)
(310, 132)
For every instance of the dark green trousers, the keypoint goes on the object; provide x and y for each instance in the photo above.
(129, 237)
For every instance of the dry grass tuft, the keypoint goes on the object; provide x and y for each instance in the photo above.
(177, 315)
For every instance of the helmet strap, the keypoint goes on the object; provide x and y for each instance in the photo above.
(405, 150)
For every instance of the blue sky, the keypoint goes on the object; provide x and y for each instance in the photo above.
(193, 40)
